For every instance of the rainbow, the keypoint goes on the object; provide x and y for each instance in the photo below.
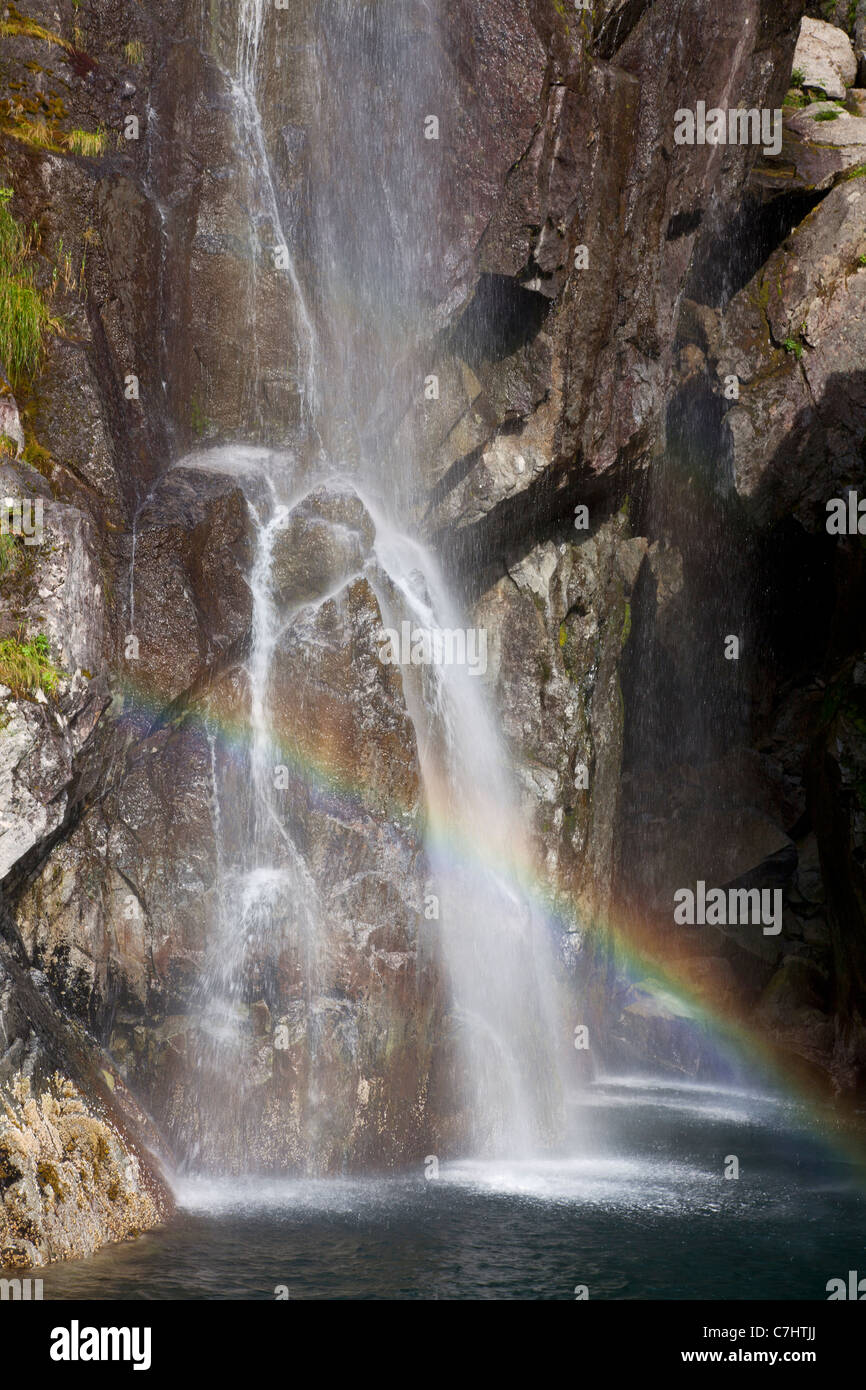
(316, 758)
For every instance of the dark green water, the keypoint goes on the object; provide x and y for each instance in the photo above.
(644, 1213)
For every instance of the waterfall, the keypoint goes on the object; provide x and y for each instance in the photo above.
(370, 314)
(494, 940)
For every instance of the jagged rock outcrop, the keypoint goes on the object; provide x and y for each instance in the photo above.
(820, 141)
(558, 621)
(769, 414)
(78, 1160)
(580, 384)
(793, 338)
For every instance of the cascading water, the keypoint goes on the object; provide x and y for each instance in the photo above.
(372, 245)
(493, 936)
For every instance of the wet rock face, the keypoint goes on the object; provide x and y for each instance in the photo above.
(52, 591)
(557, 624)
(188, 598)
(361, 1048)
(123, 917)
(328, 537)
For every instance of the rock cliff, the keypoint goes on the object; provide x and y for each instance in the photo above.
(650, 384)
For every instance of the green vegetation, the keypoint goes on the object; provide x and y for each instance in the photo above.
(826, 116)
(10, 555)
(24, 321)
(27, 667)
(89, 143)
(792, 345)
(197, 418)
(16, 25)
(626, 625)
(36, 118)
(133, 52)
(798, 77)
(25, 318)
(861, 260)
(37, 456)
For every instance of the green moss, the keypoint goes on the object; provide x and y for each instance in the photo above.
(563, 635)
(826, 116)
(27, 667)
(25, 319)
(626, 625)
(16, 25)
(199, 423)
(37, 456)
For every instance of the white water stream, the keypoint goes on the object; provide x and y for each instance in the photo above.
(495, 946)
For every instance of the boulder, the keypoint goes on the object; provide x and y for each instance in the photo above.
(820, 143)
(826, 58)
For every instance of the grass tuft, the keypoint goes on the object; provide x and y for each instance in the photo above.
(25, 318)
(27, 666)
(10, 555)
(89, 143)
(133, 52)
